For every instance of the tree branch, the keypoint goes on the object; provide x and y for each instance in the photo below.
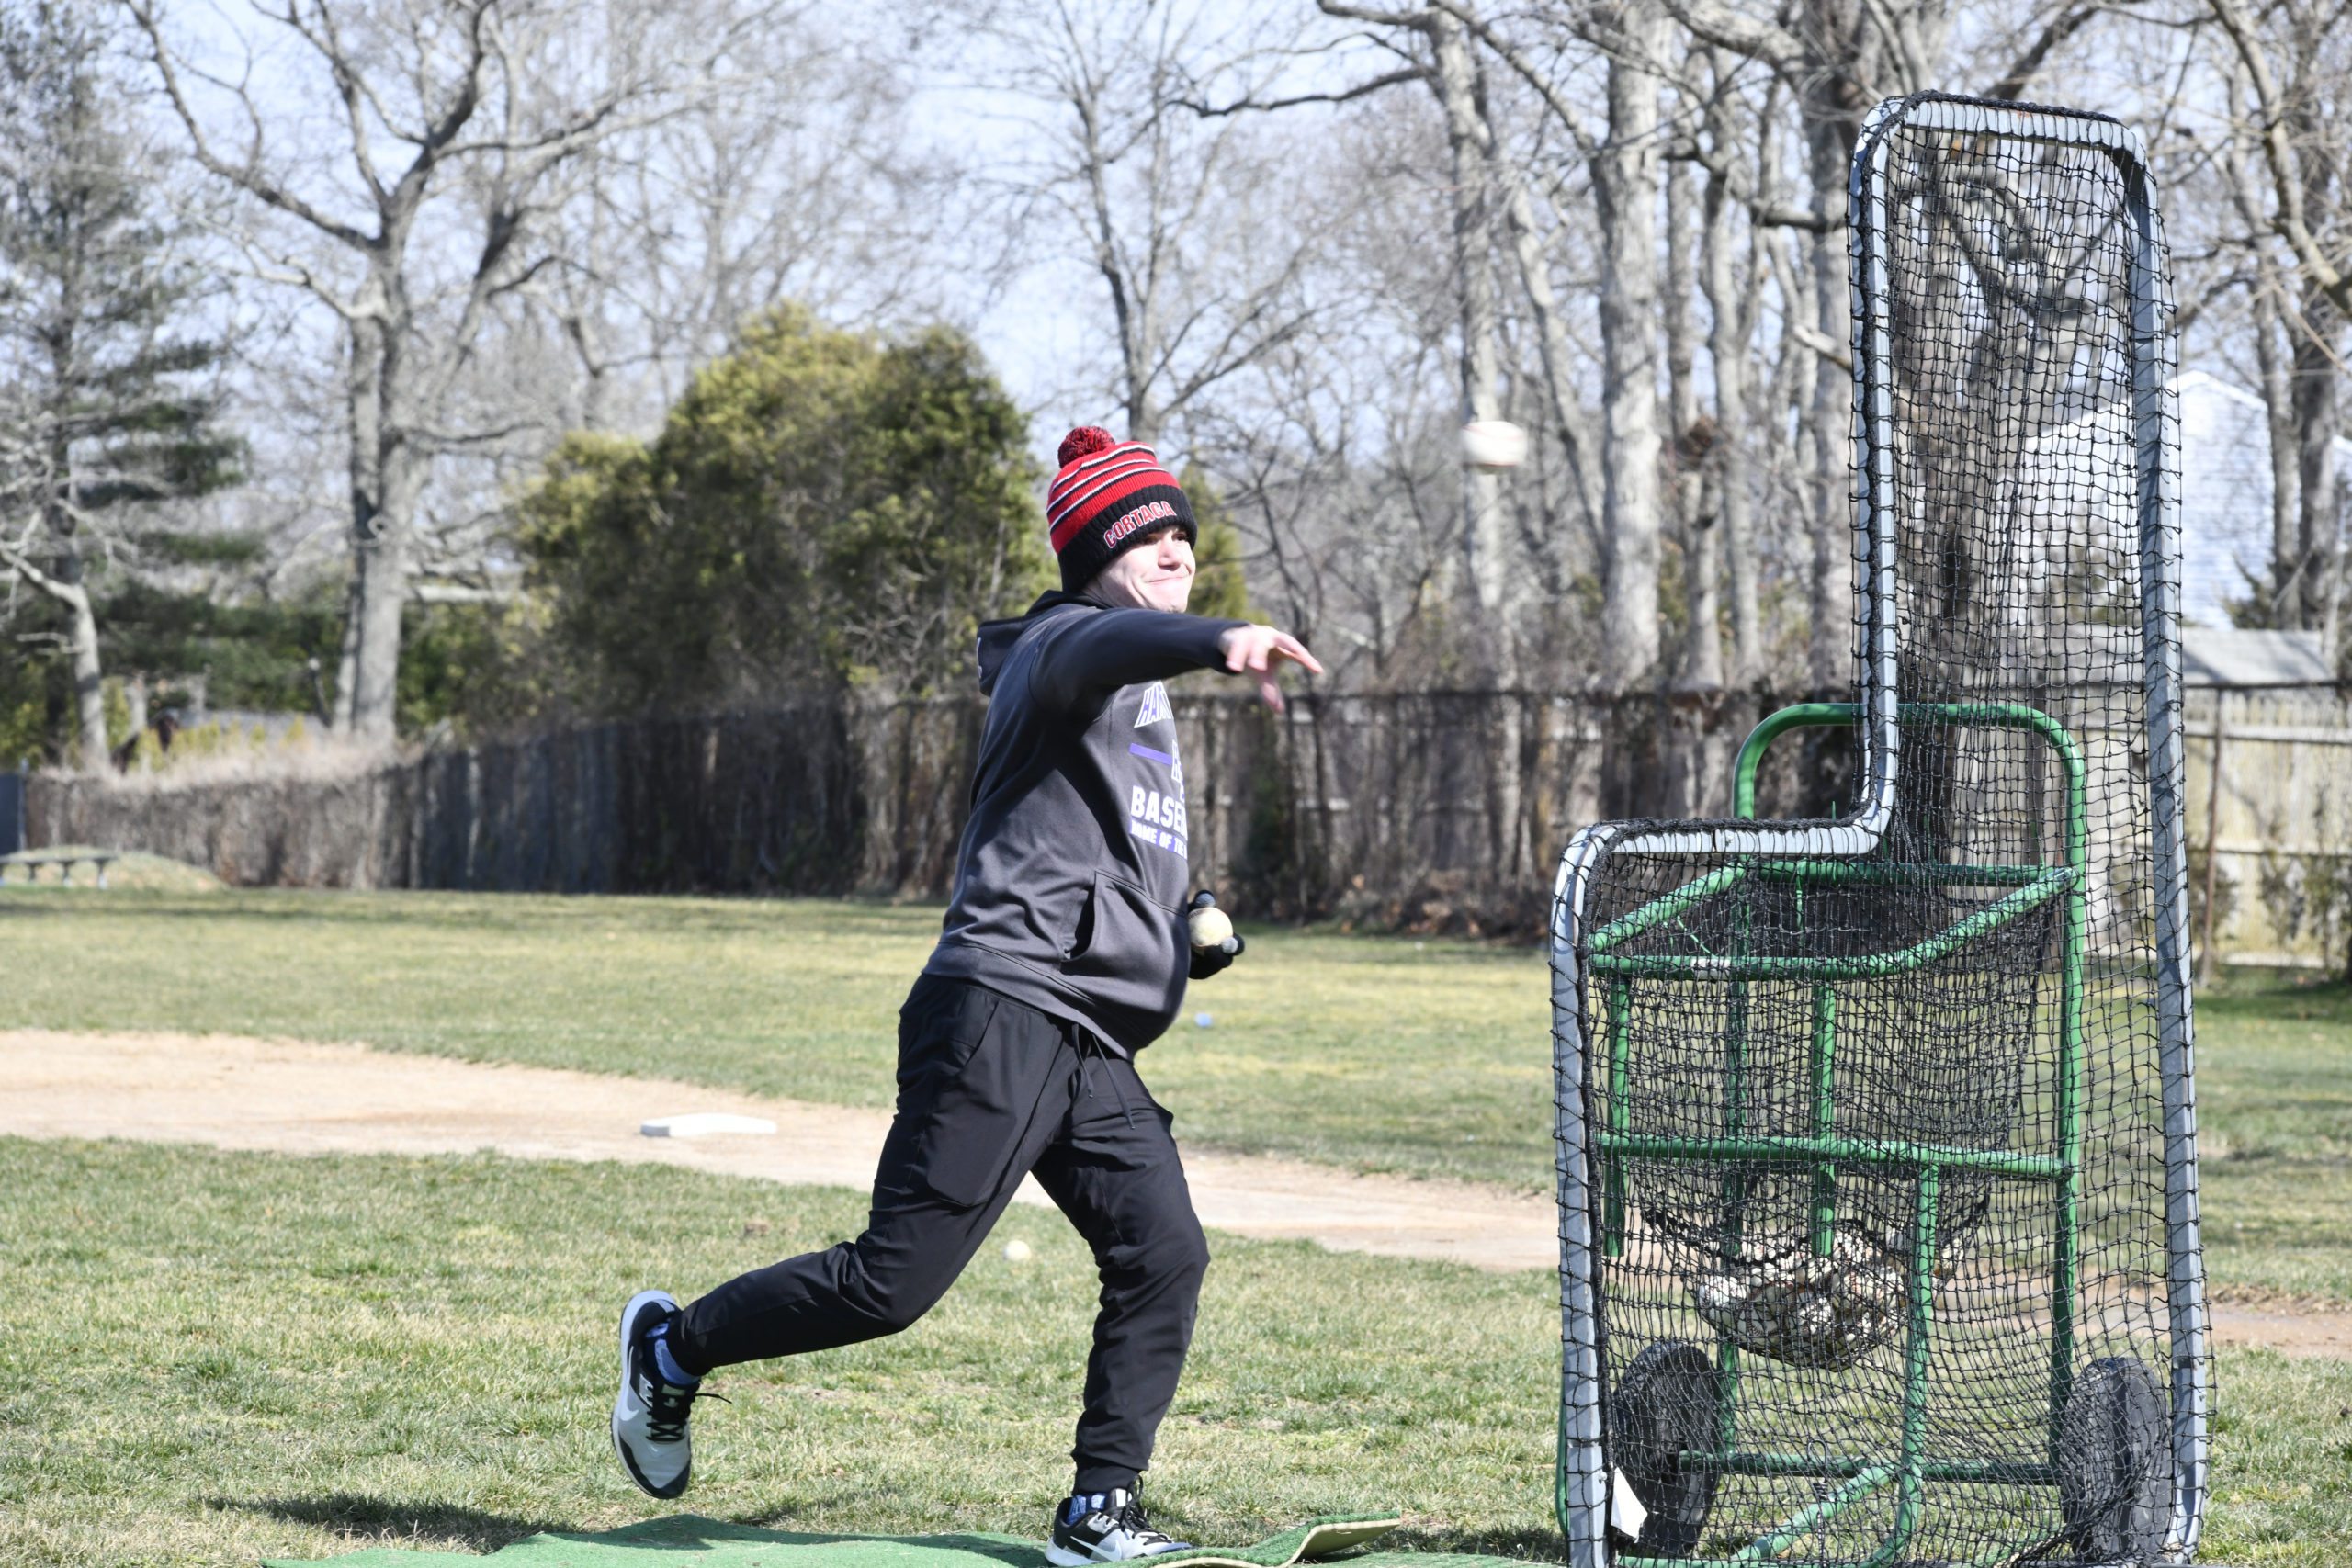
(249, 176)
(1770, 214)
(1418, 21)
(1362, 89)
(2278, 154)
(2027, 66)
(1524, 68)
(21, 565)
(1713, 22)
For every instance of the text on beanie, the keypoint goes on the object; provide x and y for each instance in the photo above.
(1109, 495)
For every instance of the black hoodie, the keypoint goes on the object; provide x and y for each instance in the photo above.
(1071, 881)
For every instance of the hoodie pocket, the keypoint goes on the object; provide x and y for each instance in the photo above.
(1121, 933)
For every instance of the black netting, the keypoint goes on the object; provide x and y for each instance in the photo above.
(1872, 1111)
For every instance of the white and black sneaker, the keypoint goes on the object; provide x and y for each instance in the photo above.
(649, 1417)
(1105, 1526)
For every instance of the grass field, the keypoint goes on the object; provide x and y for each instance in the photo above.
(209, 1357)
(1387, 1054)
(2274, 1108)
(1380, 1053)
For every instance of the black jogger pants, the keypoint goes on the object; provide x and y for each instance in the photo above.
(990, 1090)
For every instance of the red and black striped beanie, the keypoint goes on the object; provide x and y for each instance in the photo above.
(1109, 495)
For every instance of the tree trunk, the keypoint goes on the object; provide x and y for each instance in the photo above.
(1143, 421)
(1727, 339)
(1831, 653)
(1848, 43)
(1552, 338)
(66, 585)
(2314, 406)
(1695, 509)
(2278, 407)
(386, 479)
(1484, 540)
(346, 666)
(383, 563)
(89, 681)
(1675, 309)
(1625, 190)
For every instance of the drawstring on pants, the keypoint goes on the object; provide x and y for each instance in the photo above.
(1089, 1043)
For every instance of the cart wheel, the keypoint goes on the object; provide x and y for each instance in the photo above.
(1664, 1403)
(2115, 1463)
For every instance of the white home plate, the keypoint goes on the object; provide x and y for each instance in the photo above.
(705, 1121)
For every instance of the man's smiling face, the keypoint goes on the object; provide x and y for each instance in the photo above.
(1154, 575)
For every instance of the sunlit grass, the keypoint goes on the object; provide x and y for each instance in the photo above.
(2275, 1116)
(209, 1358)
(214, 1357)
(1375, 1052)
(1427, 1057)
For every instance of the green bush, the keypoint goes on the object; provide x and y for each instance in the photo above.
(821, 506)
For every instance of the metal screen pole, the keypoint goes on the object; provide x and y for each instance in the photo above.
(2159, 517)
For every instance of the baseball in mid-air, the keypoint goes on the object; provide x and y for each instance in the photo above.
(1209, 926)
(1016, 1251)
(1492, 444)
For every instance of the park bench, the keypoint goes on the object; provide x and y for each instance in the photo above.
(33, 859)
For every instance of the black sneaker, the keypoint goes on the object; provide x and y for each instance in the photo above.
(1105, 1526)
(650, 1416)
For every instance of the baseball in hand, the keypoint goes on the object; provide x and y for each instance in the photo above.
(1210, 927)
(1492, 444)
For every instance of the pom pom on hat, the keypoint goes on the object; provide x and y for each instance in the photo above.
(1110, 496)
(1084, 442)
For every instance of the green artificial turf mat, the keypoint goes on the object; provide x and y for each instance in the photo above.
(687, 1541)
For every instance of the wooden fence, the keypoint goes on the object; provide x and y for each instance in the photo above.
(1436, 810)
(2273, 847)
(1425, 810)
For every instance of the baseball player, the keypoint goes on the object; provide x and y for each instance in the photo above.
(1064, 953)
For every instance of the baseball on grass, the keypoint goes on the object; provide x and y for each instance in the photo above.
(1016, 1251)
(1209, 926)
(1492, 444)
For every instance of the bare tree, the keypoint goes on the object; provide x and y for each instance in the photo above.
(1152, 173)
(1733, 307)
(1838, 57)
(793, 179)
(1339, 450)
(1470, 146)
(2294, 65)
(452, 118)
(1625, 174)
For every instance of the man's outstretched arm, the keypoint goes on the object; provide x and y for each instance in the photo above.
(1111, 649)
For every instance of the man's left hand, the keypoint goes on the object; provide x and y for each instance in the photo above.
(1208, 961)
(1211, 957)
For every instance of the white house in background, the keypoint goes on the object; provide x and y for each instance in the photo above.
(2225, 495)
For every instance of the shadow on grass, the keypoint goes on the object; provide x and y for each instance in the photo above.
(1535, 1545)
(379, 1521)
(364, 1521)
(2278, 994)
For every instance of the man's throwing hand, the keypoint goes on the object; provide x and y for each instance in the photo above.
(1257, 650)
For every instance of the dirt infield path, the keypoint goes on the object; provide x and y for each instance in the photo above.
(289, 1097)
(293, 1098)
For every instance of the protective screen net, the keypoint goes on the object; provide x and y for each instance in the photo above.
(1875, 1140)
